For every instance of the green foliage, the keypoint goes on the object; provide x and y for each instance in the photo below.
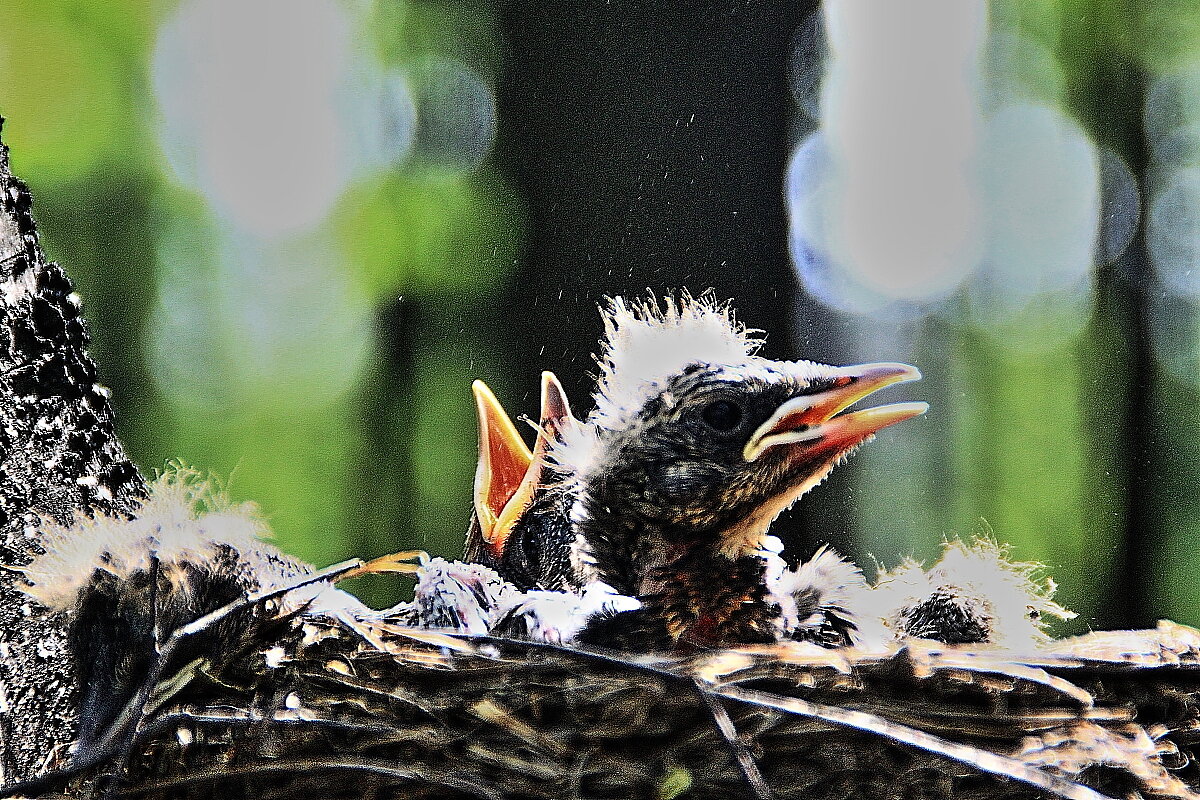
(430, 230)
(675, 784)
(267, 360)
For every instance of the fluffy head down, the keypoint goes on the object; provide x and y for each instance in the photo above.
(974, 582)
(185, 519)
(827, 580)
(828, 597)
(645, 344)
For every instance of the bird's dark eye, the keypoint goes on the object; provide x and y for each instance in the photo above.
(722, 415)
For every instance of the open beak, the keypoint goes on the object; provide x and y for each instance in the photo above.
(813, 424)
(508, 474)
(503, 461)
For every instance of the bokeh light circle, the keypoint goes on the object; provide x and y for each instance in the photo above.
(240, 322)
(1173, 231)
(1040, 183)
(456, 113)
(256, 128)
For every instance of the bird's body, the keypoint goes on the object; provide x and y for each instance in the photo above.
(695, 597)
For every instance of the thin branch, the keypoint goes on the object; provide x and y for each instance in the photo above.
(978, 759)
(231, 719)
(740, 751)
(308, 766)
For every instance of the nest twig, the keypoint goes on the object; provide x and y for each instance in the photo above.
(315, 706)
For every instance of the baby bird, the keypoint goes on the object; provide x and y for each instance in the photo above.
(521, 524)
(128, 583)
(695, 446)
(518, 578)
(975, 593)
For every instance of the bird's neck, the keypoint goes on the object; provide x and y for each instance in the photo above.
(620, 548)
(705, 596)
(604, 550)
(707, 591)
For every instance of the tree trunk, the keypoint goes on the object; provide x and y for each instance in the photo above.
(59, 456)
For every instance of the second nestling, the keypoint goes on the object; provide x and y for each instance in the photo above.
(646, 526)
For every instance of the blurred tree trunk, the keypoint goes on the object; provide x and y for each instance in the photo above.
(649, 142)
(1108, 92)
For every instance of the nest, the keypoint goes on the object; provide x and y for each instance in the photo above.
(309, 706)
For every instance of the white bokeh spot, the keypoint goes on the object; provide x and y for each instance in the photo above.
(268, 109)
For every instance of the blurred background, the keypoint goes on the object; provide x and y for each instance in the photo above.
(302, 227)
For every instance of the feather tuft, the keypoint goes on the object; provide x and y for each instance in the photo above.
(830, 594)
(647, 343)
(975, 585)
(185, 518)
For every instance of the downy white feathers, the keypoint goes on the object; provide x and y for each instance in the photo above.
(185, 519)
(645, 345)
(1007, 598)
